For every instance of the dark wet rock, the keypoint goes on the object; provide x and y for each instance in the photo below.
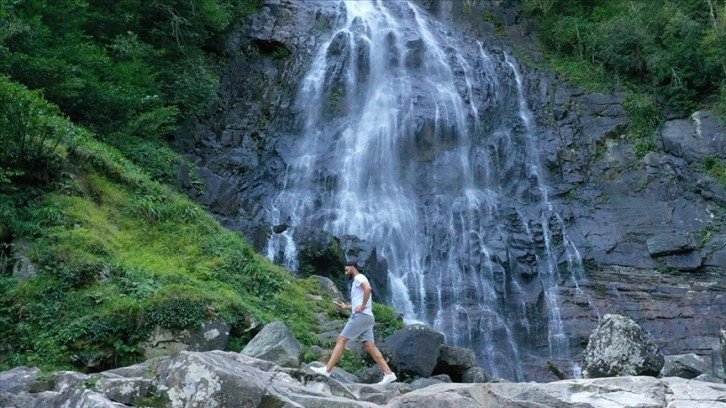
(454, 362)
(693, 139)
(685, 366)
(417, 348)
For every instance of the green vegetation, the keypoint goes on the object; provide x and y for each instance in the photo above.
(715, 168)
(107, 247)
(671, 51)
(129, 71)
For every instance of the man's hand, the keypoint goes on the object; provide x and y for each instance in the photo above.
(360, 309)
(341, 305)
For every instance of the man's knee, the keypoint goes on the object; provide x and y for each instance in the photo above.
(341, 339)
(369, 345)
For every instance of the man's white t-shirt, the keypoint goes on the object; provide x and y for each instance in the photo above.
(356, 294)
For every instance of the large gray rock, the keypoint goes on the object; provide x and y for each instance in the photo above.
(476, 375)
(276, 343)
(328, 286)
(19, 379)
(703, 134)
(219, 379)
(124, 390)
(84, 398)
(210, 335)
(454, 361)
(619, 347)
(685, 366)
(417, 349)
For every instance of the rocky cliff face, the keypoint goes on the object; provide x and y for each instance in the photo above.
(650, 231)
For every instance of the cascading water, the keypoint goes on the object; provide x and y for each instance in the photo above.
(423, 144)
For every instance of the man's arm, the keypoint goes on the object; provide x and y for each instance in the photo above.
(341, 305)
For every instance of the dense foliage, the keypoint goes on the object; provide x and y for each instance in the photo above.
(673, 49)
(97, 246)
(130, 71)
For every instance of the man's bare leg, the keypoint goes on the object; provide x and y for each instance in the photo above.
(375, 353)
(337, 352)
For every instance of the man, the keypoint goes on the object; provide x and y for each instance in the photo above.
(360, 324)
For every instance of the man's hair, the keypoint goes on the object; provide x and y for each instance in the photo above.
(353, 264)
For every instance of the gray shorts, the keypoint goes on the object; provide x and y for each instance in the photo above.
(360, 324)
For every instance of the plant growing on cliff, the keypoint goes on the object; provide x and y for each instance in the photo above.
(673, 49)
(715, 168)
(645, 119)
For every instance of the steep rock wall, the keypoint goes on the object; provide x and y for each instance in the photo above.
(650, 230)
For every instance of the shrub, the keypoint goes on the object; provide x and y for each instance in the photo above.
(30, 134)
(645, 119)
(176, 306)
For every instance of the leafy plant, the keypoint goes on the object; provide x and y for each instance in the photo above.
(30, 133)
(645, 119)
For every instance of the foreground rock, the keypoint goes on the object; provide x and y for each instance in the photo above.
(276, 343)
(617, 347)
(685, 366)
(220, 379)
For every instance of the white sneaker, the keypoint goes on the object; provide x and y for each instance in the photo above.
(321, 370)
(388, 378)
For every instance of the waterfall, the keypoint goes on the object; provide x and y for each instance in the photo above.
(423, 144)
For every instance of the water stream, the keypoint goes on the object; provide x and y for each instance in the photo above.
(423, 143)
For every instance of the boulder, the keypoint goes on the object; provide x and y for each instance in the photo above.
(218, 379)
(476, 375)
(328, 286)
(417, 349)
(125, 390)
(694, 138)
(19, 379)
(370, 375)
(709, 378)
(80, 397)
(619, 347)
(210, 335)
(454, 362)
(320, 253)
(685, 366)
(425, 382)
(275, 343)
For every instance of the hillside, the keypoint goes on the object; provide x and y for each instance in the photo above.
(99, 243)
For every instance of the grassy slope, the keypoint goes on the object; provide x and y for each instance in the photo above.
(117, 254)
